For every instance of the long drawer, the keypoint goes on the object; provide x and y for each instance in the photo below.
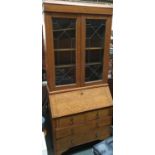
(83, 117)
(74, 140)
(83, 128)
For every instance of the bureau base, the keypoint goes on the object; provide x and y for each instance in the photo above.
(78, 129)
(79, 117)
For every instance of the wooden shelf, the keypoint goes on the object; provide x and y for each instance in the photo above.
(73, 49)
(65, 66)
(66, 29)
(64, 49)
(70, 29)
(73, 65)
(94, 48)
(93, 63)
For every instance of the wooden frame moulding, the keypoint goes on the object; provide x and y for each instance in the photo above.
(105, 49)
(51, 51)
(77, 88)
(77, 7)
(83, 35)
(48, 52)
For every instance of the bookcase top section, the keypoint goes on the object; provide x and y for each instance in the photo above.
(77, 7)
(73, 102)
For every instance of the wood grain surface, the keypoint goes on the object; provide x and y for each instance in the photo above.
(69, 103)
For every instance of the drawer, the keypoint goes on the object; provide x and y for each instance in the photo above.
(74, 140)
(75, 130)
(70, 120)
(75, 119)
(82, 118)
(71, 141)
(105, 112)
(104, 121)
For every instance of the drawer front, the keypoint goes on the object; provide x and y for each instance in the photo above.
(75, 130)
(70, 120)
(83, 118)
(75, 119)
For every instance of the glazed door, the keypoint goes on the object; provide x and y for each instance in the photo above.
(95, 49)
(77, 50)
(65, 49)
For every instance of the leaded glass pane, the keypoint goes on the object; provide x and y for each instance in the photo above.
(95, 30)
(64, 34)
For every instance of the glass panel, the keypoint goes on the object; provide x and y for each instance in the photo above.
(64, 34)
(94, 56)
(95, 30)
(64, 58)
(65, 75)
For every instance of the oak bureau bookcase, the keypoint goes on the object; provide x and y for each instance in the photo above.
(76, 41)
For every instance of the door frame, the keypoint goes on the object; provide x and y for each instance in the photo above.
(80, 49)
(50, 54)
(108, 20)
